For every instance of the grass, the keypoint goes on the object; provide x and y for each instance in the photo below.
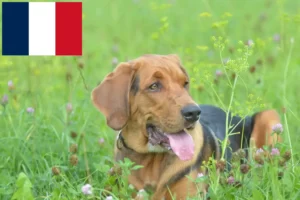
(36, 161)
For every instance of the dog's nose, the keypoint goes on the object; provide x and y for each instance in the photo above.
(191, 113)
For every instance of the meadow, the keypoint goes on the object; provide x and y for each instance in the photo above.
(240, 54)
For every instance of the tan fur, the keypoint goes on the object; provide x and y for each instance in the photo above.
(261, 134)
(105, 96)
(156, 171)
(129, 109)
(163, 109)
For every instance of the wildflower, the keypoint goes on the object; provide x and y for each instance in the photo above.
(258, 81)
(230, 180)
(30, 110)
(69, 107)
(216, 81)
(200, 88)
(55, 171)
(109, 198)
(227, 14)
(259, 159)
(114, 61)
(280, 175)
(219, 73)
(282, 162)
(249, 43)
(241, 153)
(73, 148)
(115, 48)
(140, 194)
(276, 37)
(233, 75)
(259, 151)
(235, 157)
(252, 69)
(275, 152)
(263, 16)
(101, 141)
(130, 186)
(277, 128)
(10, 85)
(221, 165)
(200, 175)
(225, 61)
(68, 76)
(231, 50)
(287, 155)
(80, 63)
(234, 165)
(271, 59)
(111, 171)
(259, 62)
(86, 189)
(4, 100)
(244, 168)
(202, 48)
(74, 160)
(237, 184)
(220, 24)
(116, 170)
(73, 134)
(205, 14)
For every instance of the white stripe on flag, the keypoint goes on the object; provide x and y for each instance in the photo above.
(42, 28)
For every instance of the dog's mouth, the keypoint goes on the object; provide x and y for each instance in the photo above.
(181, 143)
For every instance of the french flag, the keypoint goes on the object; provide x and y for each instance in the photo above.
(42, 28)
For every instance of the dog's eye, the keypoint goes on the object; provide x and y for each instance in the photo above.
(186, 84)
(154, 87)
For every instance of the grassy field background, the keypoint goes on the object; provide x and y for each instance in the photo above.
(35, 156)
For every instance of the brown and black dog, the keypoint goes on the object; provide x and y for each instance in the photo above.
(147, 100)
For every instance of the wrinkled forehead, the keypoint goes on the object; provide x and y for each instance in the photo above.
(160, 67)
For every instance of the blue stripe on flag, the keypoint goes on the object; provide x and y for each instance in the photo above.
(15, 28)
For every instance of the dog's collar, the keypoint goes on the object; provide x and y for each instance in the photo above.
(121, 142)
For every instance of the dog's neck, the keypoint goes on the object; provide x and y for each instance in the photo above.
(135, 137)
(156, 171)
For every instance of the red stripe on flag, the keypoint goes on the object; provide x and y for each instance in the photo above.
(68, 28)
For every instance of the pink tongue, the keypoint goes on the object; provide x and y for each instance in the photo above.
(182, 145)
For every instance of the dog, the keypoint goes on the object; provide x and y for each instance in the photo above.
(163, 129)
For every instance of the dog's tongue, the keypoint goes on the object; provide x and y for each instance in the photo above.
(182, 145)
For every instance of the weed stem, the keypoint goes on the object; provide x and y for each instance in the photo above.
(285, 100)
(225, 141)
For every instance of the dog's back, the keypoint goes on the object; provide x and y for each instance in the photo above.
(257, 127)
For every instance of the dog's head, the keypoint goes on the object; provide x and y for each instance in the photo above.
(148, 98)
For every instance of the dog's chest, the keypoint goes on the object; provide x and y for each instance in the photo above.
(149, 176)
(142, 179)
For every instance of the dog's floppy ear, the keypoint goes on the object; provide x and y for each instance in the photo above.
(262, 128)
(111, 97)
